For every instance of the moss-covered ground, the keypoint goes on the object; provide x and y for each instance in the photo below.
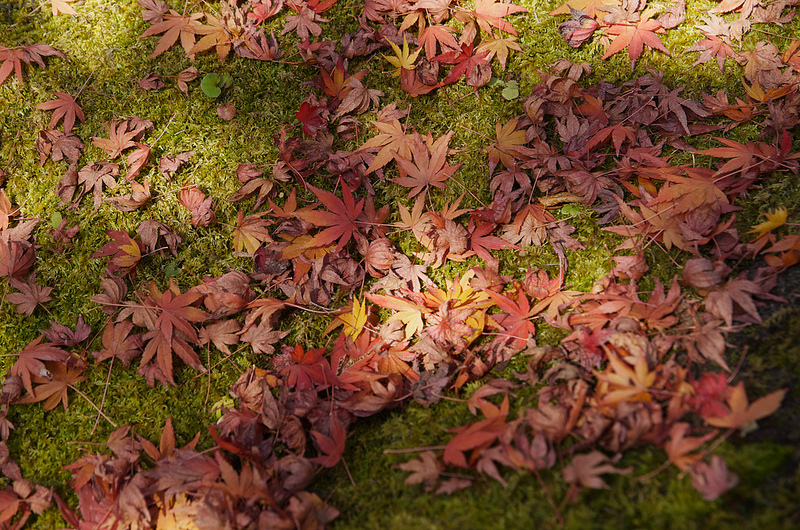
(106, 59)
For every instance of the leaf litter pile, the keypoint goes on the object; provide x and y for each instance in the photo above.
(634, 367)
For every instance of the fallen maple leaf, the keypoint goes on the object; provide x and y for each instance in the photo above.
(304, 23)
(30, 361)
(12, 59)
(125, 252)
(425, 470)
(714, 479)
(64, 107)
(341, 217)
(58, 146)
(304, 370)
(331, 447)
(430, 167)
(62, 7)
(743, 415)
(53, 389)
(404, 59)
(774, 220)
(588, 6)
(173, 26)
(200, 206)
(250, 232)
(390, 143)
(474, 437)
(584, 472)
(118, 343)
(29, 296)
(490, 13)
(352, 320)
(634, 37)
(173, 328)
(506, 148)
(137, 159)
(679, 447)
(713, 47)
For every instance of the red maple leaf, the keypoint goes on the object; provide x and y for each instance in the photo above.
(331, 447)
(491, 12)
(311, 118)
(411, 83)
(304, 370)
(30, 361)
(481, 242)
(475, 437)
(464, 61)
(64, 107)
(341, 217)
(516, 316)
(172, 328)
(125, 252)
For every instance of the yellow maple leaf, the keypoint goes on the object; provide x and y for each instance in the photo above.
(352, 320)
(774, 220)
(404, 59)
(621, 382)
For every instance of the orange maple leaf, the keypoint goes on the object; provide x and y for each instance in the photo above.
(175, 25)
(491, 12)
(341, 217)
(634, 37)
(430, 167)
(743, 414)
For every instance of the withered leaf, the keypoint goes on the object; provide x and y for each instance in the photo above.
(151, 81)
(137, 159)
(139, 195)
(64, 107)
(29, 296)
(169, 164)
(114, 292)
(95, 177)
(58, 146)
(61, 335)
(221, 334)
(158, 237)
(198, 204)
(185, 76)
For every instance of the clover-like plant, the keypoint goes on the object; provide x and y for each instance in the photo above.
(214, 84)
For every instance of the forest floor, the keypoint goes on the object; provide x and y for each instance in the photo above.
(126, 240)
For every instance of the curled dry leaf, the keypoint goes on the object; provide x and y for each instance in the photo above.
(169, 164)
(186, 76)
(196, 202)
(139, 195)
(151, 81)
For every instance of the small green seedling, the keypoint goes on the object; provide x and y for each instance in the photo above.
(213, 84)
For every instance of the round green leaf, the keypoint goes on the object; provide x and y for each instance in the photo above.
(210, 87)
(511, 91)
